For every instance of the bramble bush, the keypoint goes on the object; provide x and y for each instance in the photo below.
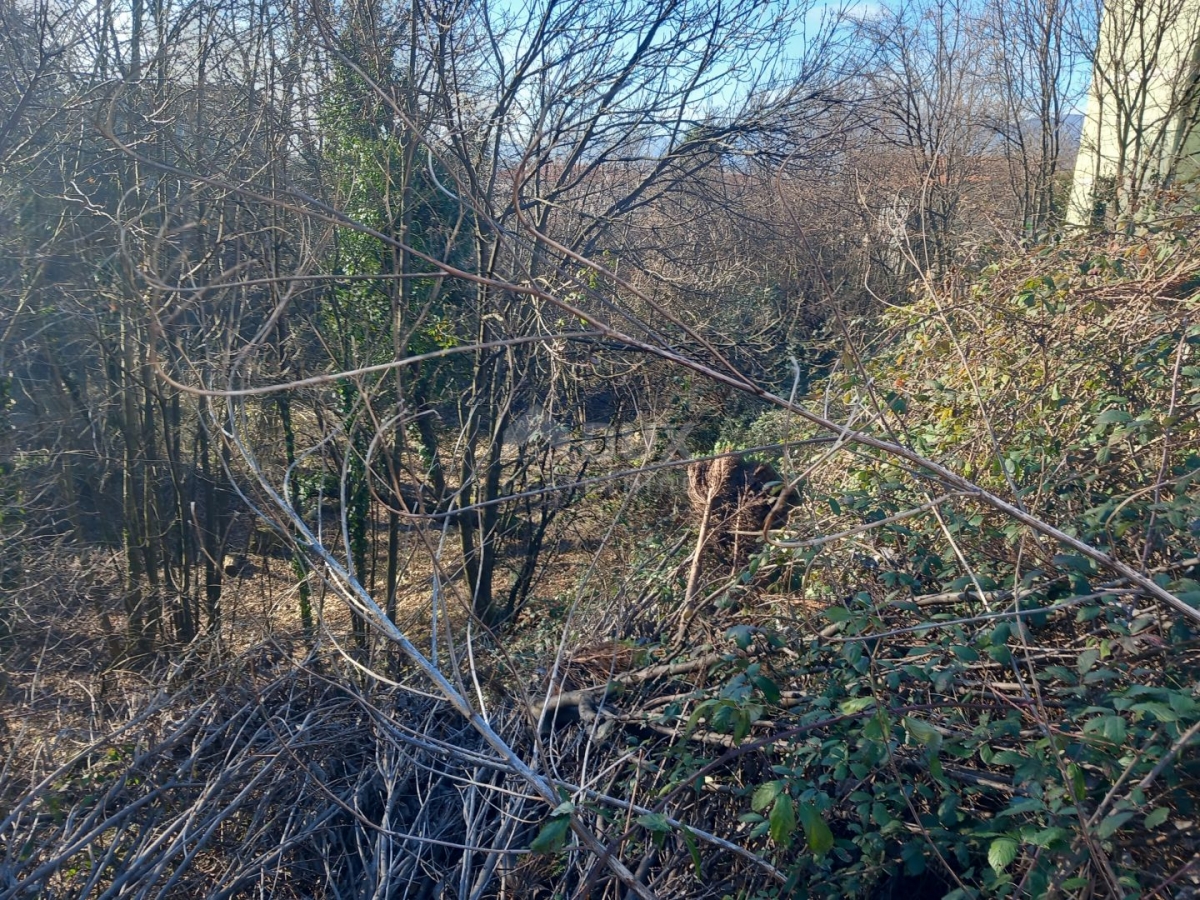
(977, 711)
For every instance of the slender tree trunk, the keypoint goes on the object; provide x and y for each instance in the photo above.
(299, 564)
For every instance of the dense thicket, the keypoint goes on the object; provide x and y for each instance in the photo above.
(349, 359)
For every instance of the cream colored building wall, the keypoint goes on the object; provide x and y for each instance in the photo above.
(1138, 126)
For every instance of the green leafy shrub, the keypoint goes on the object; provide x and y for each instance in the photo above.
(979, 709)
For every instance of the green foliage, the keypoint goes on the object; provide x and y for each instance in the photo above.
(553, 835)
(898, 756)
(370, 162)
(1037, 704)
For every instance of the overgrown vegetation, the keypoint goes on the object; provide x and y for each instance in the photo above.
(668, 449)
(1026, 706)
(896, 696)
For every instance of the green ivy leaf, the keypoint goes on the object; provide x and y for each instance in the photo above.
(837, 614)
(966, 654)
(1087, 659)
(1048, 836)
(701, 711)
(769, 688)
(655, 822)
(742, 635)
(783, 821)
(816, 832)
(1111, 728)
(923, 733)
(693, 850)
(947, 812)
(1078, 781)
(1156, 817)
(1113, 824)
(1001, 853)
(1114, 729)
(1070, 561)
(553, 836)
(1181, 703)
(725, 717)
(858, 704)
(1160, 711)
(765, 795)
(1000, 654)
(745, 718)
(913, 854)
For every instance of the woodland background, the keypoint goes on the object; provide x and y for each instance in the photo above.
(568, 449)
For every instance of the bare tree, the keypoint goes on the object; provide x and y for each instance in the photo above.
(1138, 136)
(1036, 62)
(929, 111)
